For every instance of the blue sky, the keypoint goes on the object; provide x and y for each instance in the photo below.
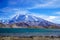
(46, 9)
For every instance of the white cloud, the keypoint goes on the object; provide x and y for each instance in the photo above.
(11, 12)
(54, 19)
(51, 18)
(58, 13)
(30, 4)
(49, 4)
(20, 12)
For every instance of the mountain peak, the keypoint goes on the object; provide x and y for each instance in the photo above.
(24, 17)
(28, 20)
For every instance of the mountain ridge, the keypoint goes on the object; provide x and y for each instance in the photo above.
(29, 21)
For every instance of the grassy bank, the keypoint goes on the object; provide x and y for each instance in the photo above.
(30, 38)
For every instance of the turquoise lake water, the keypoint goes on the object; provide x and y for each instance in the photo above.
(28, 32)
(22, 30)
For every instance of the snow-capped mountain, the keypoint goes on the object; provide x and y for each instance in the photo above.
(29, 21)
(25, 18)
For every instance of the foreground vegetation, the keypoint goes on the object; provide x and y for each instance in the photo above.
(30, 38)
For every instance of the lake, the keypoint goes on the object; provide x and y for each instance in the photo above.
(29, 32)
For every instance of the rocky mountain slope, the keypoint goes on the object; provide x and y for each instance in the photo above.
(27, 21)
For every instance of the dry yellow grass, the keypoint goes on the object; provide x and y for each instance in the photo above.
(26, 38)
